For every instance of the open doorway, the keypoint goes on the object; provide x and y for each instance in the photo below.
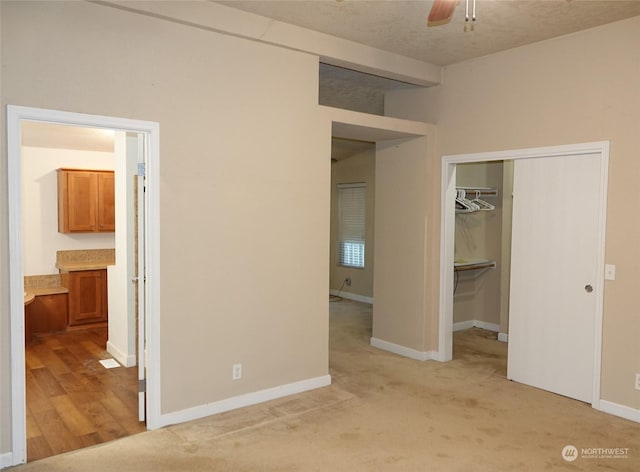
(80, 321)
(90, 340)
(351, 247)
(479, 259)
(482, 262)
(351, 261)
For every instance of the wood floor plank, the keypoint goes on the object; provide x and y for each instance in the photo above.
(120, 411)
(91, 439)
(129, 398)
(69, 359)
(32, 360)
(72, 382)
(38, 448)
(80, 352)
(51, 341)
(106, 425)
(97, 351)
(37, 399)
(50, 359)
(55, 431)
(93, 380)
(75, 421)
(80, 398)
(48, 382)
(33, 430)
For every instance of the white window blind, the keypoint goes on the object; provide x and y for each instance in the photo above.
(351, 224)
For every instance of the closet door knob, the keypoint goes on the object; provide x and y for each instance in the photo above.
(588, 288)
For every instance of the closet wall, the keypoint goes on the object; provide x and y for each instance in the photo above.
(479, 298)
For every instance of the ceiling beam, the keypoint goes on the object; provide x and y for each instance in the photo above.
(349, 124)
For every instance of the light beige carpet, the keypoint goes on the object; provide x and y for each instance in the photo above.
(384, 413)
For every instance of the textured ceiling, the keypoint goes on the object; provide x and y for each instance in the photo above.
(401, 26)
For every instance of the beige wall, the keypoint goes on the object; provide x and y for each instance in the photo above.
(578, 88)
(238, 198)
(401, 254)
(357, 168)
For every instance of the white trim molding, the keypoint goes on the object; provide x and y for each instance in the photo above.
(352, 296)
(241, 401)
(459, 326)
(6, 460)
(616, 409)
(15, 116)
(121, 357)
(503, 337)
(403, 350)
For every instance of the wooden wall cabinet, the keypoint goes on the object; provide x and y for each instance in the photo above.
(86, 201)
(87, 297)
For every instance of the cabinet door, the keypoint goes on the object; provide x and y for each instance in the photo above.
(87, 297)
(48, 313)
(86, 201)
(106, 202)
(81, 201)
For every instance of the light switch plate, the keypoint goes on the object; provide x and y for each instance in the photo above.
(609, 272)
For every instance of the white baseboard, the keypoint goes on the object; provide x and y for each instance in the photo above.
(6, 460)
(121, 357)
(503, 337)
(242, 400)
(476, 324)
(460, 325)
(352, 296)
(622, 411)
(403, 351)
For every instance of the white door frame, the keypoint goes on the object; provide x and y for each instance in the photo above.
(447, 231)
(15, 115)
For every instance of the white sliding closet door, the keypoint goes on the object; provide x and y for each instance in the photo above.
(554, 279)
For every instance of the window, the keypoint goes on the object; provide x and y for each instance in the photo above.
(351, 220)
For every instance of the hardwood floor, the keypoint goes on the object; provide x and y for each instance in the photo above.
(72, 400)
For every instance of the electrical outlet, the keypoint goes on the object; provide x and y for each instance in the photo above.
(348, 281)
(637, 381)
(236, 373)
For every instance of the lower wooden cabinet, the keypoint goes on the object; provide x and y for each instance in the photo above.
(87, 297)
(46, 314)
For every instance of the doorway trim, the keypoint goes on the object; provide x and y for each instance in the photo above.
(447, 240)
(15, 115)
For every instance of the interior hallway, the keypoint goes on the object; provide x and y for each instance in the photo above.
(383, 412)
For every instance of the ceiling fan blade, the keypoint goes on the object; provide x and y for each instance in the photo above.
(442, 11)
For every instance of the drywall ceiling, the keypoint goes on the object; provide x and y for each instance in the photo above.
(345, 148)
(401, 26)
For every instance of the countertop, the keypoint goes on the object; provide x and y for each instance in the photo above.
(83, 265)
(29, 297)
(85, 259)
(31, 293)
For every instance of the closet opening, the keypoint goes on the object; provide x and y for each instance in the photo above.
(481, 262)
